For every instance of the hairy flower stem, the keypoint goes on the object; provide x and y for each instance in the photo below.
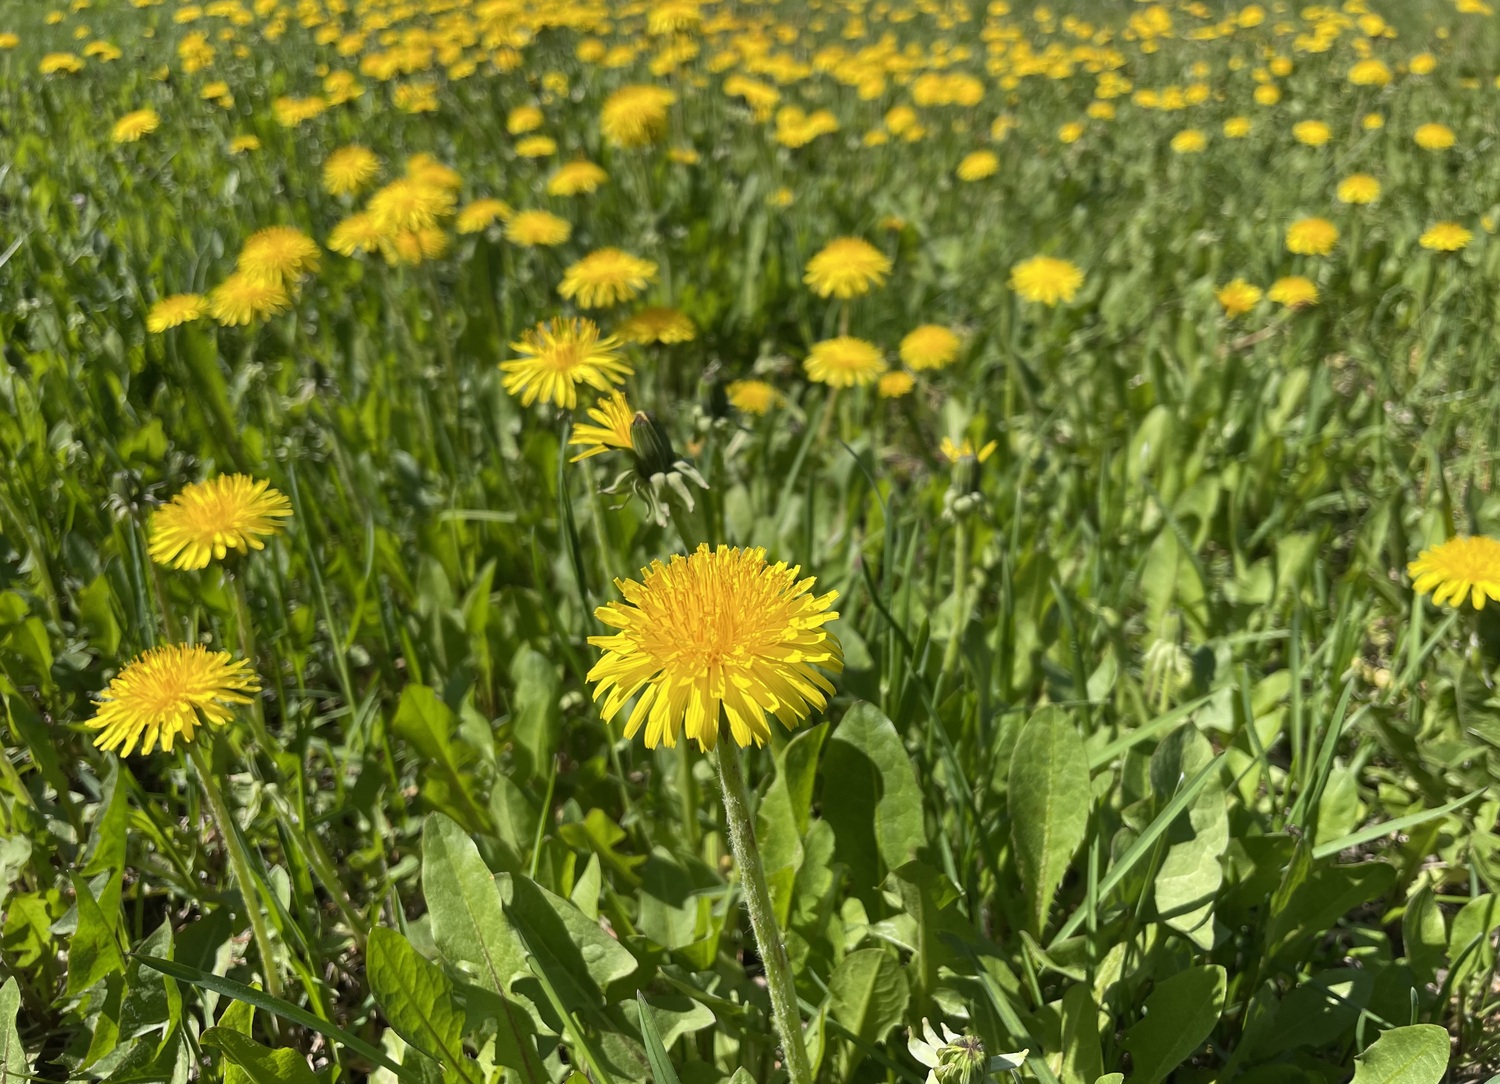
(239, 865)
(762, 917)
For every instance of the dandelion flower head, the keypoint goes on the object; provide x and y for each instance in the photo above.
(1238, 297)
(1459, 568)
(844, 362)
(605, 277)
(1293, 291)
(278, 256)
(1311, 237)
(347, 170)
(658, 324)
(175, 311)
(558, 356)
(132, 126)
(170, 691)
(846, 267)
(634, 116)
(930, 346)
(1046, 279)
(1358, 189)
(531, 228)
(1446, 237)
(208, 519)
(752, 396)
(612, 420)
(243, 298)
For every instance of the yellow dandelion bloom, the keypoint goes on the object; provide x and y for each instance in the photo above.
(1372, 122)
(208, 519)
(717, 635)
(530, 228)
(1071, 132)
(170, 691)
(1459, 568)
(279, 255)
(175, 311)
(844, 362)
(557, 357)
(1237, 127)
(1238, 297)
(1358, 188)
(1293, 291)
(1422, 64)
(635, 116)
(1446, 237)
(930, 346)
(978, 165)
(349, 169)
(241, 299)
(846, 267)
(1370, 72)
(1434, 137)
(1046, 279)
(244, 144)
(1266, 94)
(425, 169)
(605, 277)
(537, 146)
(1189, 141)
(658, 324)
(753, 396)
(955, 452)
(576, 178)
(482, 214)
(1312, 133)
(1311, 237)
(895, 384)
(132, 126)
(357, 233)
(613, 417)
(523, 119)
(407, 205)
(60, 64)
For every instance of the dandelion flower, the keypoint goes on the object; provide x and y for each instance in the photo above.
(895, 384)
(1445, 237)
(523, 119)
(635, 116)
(132, 126)
(1422, 64)
(60, 64)
(844, 362)
(167, 691)
(423, 168)
(953, 453)
(606, 277)
(357, 233)
(482, 214)
(1370, 72)
(536, 146)
(846, 267)
(347, 170)
(978, 165)
(717, 634)
(1358, 188)
(1434, 137)
(576, 178)
(1046, 279)
(241, 299)
(753, 396)
(407, 205)
(658, 324)
(1266, 94)
(1311, 237)
(614, 418)
(1457, 568)
(1238, 297)
(1312, 133)
(1189, 141)
(1237, 127)
(930, 346)
(1372, 122)
(1071, 132)
(531, 228)
(279, 255)
(557, 357)
(174, 311)
(207, 519)
(1294, 291)
(244, 144)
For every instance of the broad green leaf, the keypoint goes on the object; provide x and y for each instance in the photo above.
(417, 998)
(868, 993)
(106, 849)
(1082, 1058)
(783, 816)
(1412, 1055)
(1049, 798)
(240, 1017)
(1469, 948)
(14, 1066)
(1111, 1078)
(536, 718)
(260, 1064)
(1179, 1015)
(467, 919)
(93, 952)
(872, 798)
(1190, 874)
(579, 958)
(1319, 1011)
(1424, 932)
(428, 724)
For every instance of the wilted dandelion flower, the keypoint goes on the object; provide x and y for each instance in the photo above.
(752, 396)
(406, 205)
(207, 519)
(978, 165)
(279, 255)
(1313, 133)
(482, 214)
(575, 178)
(613, 419)
(1311, 237)
(606, 277)
(347, 170)
(1046, 279)
(1445, 237)
(1457, 568)
(717, 634)
(1358, 188)
(530, 228)
(167, 691)
(658, 324)
(1293, 291)
(930, 346)
(895, 384)
(175, 311)
(242, 298)
(1434, 137)
(1238, 297)
(846, 267)
(132, 126)
(844, 362)
(557, 357)
(1189, 141)
(634, 116)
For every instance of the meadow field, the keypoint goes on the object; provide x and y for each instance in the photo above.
(749, 541)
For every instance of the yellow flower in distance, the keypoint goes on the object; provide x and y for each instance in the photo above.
(423, 168)
(895, 384)
(614, 418)
(846, 267)
(719, 634)
(132, 126)
(348, 169)
(60, 64)
(978, 165)
(536, 146)
(753, 396)
(167, 691)
(1293, 291)
(954, 452)
(634, 116)
(1237, 127)
(930, 346)
(406, 205)
(279, 255)
(1457, 568)
(576, 178)
(242, 299)
(1313, 133)
(1370, 72)
(208, 519)
(244, 144)
(1046, 279)
(1434, 137)
(1371, 122)
(557, 357)
(523, 119)
(1446, 237)
(357, 233)
(1238, 297)
(1358, 189)
(658, 324)
(844, 362)
(175, 311)
(606, 277)
(1311, 237)
(1189, 141)
(530, 228)
(482, 214)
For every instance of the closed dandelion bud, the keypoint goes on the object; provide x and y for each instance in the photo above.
(651, 445)
(961, 1061)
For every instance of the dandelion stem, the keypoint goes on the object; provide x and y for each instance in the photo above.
(762, 916)
(239, 865)
(960, 607)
